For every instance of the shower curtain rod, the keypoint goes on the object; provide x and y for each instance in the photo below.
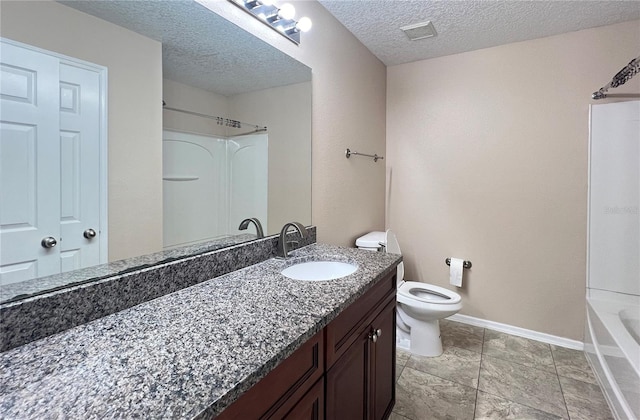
(257, 130)
(220, 120)
(620, 79)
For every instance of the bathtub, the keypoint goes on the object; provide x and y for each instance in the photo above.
(612, 347)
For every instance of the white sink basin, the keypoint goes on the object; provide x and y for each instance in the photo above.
(319, 270)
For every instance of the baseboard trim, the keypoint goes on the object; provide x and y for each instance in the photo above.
(520, 332)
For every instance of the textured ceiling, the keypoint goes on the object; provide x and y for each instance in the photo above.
(200, 48)
(468, 25)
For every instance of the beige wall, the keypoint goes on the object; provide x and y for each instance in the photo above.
(180, 96)
(349, 85)
(488, 158)
(349, 94)
(286, 111)
(134, 110)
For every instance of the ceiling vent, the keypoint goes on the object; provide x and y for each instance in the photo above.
(420, 30)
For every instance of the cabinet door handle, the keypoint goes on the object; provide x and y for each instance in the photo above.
(375, 334)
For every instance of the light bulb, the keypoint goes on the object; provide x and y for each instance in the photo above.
(304, 24)
(287, 11)
(267, 2)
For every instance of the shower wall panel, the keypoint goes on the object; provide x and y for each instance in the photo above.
(614, 198)
(194, 188)
(211, 185)
(248, 173)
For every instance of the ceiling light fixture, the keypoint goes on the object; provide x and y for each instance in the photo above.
(281, 19)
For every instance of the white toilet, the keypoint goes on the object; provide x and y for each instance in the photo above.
(420, 305)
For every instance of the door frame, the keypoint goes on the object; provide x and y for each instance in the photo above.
(103, 134)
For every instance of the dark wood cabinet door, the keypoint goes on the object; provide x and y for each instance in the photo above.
(348, 382)
(284, 386)
(345, 329)
(310, 407)
(383, 364)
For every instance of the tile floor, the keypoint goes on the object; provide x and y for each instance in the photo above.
(484, 374)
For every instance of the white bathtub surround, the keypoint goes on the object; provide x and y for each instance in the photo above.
(613, 350)
(612, 331)
(210, 184)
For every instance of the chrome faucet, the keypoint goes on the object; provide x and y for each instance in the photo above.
(245, 224)
(282, 240)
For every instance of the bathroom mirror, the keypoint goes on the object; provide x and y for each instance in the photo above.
(196, 61)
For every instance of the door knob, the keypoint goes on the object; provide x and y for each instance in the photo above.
(48, 242)
(89, 233)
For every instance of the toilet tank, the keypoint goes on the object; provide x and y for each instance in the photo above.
(371, 241)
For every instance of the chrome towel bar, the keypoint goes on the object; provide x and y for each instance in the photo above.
(465, 264)
(348, 153)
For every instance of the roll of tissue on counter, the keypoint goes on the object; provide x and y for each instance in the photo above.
(455, 272)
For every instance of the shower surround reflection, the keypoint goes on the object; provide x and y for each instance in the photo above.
(210, 184)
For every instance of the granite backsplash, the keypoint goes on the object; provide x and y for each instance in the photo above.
(36, 317)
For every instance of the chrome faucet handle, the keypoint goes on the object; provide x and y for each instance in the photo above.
(245, 224)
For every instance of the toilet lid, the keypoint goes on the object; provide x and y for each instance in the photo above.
(428, 293)
(393, 247)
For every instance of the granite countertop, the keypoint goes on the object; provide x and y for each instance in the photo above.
(187, 354)
(33, 287)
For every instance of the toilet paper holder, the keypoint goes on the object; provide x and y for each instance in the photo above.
(465, 264)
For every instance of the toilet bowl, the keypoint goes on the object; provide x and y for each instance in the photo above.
(420, 306)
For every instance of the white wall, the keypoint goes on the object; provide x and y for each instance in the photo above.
(134, 103)
(488, 153)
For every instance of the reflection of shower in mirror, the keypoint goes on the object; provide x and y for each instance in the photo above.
(210, 184)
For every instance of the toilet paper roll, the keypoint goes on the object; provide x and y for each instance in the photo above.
(455, 272)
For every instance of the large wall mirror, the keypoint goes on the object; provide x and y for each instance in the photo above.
(203, 124)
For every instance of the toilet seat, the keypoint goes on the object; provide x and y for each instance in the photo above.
(417, 292)
(419, 307)
(426, 293)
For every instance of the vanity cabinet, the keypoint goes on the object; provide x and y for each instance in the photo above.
(294, 389)
(346, 371)
(361, 357)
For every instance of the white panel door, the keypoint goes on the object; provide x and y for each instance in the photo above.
(79, 167)
(614, 198)
(29, 163)
(52, 184)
